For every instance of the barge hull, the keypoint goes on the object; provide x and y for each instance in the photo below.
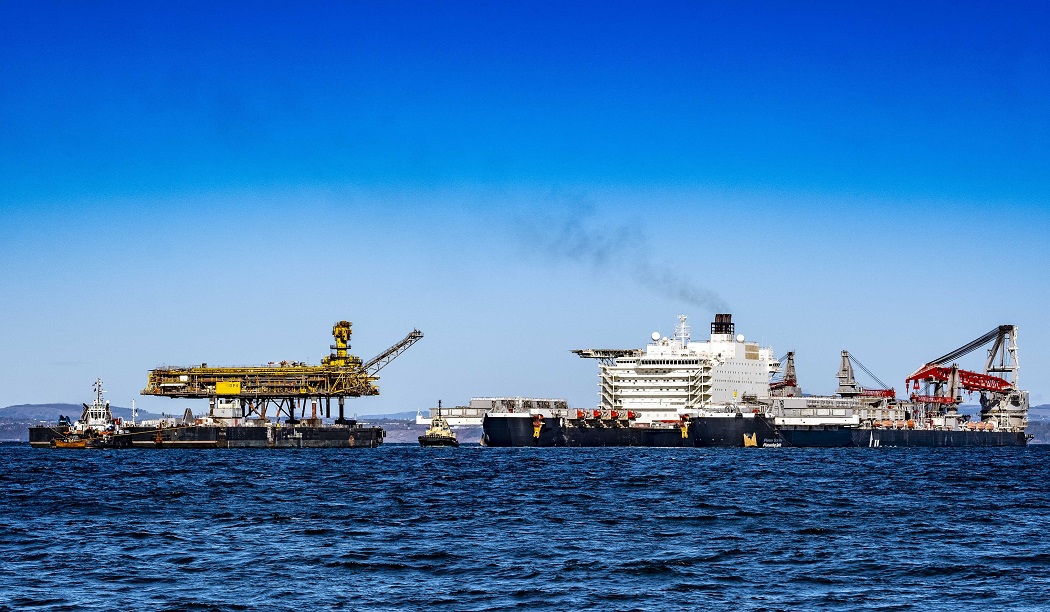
(208, 436)
(732, 432)
(902, 438)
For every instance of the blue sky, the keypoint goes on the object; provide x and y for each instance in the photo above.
(196, 182)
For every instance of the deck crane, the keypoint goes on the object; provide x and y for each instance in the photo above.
(848, 386)
(945, 384)
(787, 385)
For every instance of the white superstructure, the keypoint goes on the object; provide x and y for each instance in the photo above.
(474, 414)
(675, 377)
(97, 417)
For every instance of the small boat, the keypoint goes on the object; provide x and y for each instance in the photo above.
(439, 434)
(69, 442)
(103, 440)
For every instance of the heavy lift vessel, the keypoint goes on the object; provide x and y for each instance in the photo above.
(240, 398)
(729, 392)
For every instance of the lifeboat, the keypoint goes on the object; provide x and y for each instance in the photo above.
(911, 424)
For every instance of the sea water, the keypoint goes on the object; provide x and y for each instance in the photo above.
(400, 527)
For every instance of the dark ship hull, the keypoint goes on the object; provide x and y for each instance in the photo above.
(438, 441)
(508, 431)
(288, 436)
(208, 436)
(847, 436)
(43, 436)
(732, 431)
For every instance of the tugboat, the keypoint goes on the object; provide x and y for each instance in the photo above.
(439, 434)
(96, 428)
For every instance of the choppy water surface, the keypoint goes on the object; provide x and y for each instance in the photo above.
(481, 528)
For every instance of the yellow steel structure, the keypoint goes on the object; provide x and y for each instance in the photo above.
(285, 384)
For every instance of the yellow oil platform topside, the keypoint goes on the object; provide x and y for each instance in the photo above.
(285, 384)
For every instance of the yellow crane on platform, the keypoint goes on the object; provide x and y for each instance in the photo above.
(286, 385)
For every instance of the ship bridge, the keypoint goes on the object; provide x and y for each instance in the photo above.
(287, 385)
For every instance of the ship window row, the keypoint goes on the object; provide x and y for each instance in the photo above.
(659, 370)
(638, 382)
(629, 379)
(808, 412)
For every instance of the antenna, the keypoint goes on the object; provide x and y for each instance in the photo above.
(134, 414)
(682, 331)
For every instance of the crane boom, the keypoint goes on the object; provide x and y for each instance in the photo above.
(970, 381)
(1005, 346)
(950, 380)
(380, 361)
(848, 386)
(966, 349)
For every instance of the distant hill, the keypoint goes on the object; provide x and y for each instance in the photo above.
(1035, 413)
(1040, 430)
(404, 431)
(51, 412)
(16, 420)
(410, 414)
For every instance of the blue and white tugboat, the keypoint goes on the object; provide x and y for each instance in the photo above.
(96, 428)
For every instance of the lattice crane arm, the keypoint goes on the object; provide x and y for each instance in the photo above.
(378, 362)
(996, 334)
(1003, 338)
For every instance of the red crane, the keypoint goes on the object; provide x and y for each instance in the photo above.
(948, 381)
